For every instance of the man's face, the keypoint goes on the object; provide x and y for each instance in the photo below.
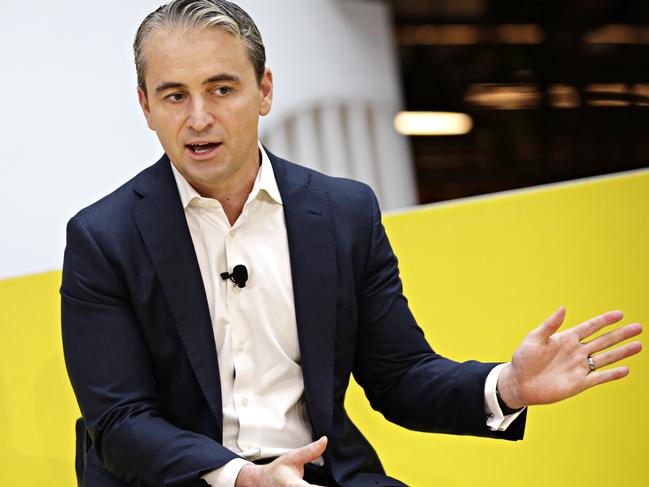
(204, 102)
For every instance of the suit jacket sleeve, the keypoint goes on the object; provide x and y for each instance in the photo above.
(401, 375)
(113, 379)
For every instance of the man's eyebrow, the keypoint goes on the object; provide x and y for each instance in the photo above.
(222, 77)
(170, 85)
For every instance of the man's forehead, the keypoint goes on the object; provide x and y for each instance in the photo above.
(205, 52)
(176, 35)
(181, 46)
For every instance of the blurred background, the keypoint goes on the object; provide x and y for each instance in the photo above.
(538, 91)
(556, 90)
(428, 101)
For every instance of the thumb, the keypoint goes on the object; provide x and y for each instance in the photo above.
(308, 453)
(546, 329)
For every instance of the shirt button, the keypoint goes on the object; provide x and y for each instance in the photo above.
(240, 347)
(244, 402)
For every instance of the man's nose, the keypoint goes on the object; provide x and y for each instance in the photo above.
(200, 117)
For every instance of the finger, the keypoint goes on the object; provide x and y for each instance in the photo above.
(603, 376)
(612, 338)
(306, 454)
(546, 329)
(303, 483)
(593, 325)
(300, 483)
(617, 354)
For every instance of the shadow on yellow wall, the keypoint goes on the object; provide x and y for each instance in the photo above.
(479, 274)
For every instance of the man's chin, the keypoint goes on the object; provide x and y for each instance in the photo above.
(208, 176)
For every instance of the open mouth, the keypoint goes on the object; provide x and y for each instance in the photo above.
(199, 149)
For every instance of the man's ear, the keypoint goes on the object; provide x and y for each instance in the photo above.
(144, 103)
(266, 92)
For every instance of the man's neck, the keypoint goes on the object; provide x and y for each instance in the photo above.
(233, 203)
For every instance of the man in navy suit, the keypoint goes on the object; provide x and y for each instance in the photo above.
(186, 377)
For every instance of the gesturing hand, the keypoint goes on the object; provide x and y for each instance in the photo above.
(285, 471)
(549, 366)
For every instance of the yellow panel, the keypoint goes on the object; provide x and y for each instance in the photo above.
(482, 272)
(37, 406)
(479, 274)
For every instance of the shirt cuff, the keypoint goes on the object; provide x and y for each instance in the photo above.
(226, 476)
(496, 420)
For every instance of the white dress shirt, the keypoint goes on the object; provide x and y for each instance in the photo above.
(255, 330)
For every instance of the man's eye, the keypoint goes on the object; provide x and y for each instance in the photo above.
(223, 90)
(175, 97)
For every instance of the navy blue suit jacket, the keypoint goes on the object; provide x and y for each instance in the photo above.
(141, 356)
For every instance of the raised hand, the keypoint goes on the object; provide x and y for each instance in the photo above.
(549, 366)
(285, 471)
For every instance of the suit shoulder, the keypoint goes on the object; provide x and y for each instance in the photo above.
(342, 186)
(352, 202)
(115, 207)
(345, 191)
(348, 196)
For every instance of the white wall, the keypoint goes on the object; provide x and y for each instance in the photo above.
(72, 130)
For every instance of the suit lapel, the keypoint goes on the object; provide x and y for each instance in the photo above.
(311, 236)
(161, 220)
(311, 239)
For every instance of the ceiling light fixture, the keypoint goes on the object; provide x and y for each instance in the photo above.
(433, 123)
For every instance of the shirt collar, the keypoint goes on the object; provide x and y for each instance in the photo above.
(266, 178)
(265, 181)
